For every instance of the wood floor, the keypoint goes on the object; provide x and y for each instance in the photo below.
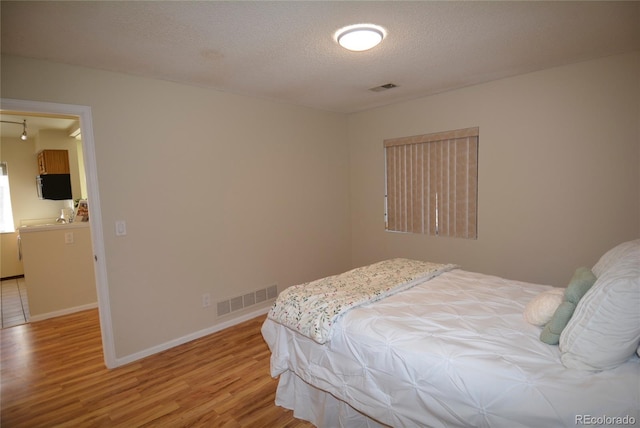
(52, 374)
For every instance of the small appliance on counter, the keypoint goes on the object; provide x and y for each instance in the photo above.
(66, 216)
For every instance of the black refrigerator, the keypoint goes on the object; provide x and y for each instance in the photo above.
(54, 186)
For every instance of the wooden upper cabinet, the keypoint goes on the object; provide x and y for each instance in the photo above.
(53, 162)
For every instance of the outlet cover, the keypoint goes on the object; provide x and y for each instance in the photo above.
(206, 300)
(121, 228)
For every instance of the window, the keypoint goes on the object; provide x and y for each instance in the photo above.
(6, 215)
(432, 184)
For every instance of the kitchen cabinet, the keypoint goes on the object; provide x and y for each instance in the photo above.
(53, 162)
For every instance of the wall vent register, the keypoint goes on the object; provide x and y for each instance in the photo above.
(237, 303)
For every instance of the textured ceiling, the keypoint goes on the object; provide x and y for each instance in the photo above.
(285, 51)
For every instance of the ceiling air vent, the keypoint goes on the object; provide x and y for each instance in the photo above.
(383, 87)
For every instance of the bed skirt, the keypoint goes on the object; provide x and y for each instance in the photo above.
(317, 406)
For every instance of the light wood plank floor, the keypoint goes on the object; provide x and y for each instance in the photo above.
(53, 374)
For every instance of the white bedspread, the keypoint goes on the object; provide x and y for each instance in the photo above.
(453, 351)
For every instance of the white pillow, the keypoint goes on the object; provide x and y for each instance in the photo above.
(613, 255)
(541, 308)
(604, 330)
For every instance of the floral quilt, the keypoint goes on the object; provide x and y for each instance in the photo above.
(313, 307)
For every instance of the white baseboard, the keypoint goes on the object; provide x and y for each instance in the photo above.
(189, 337)
(67, 311)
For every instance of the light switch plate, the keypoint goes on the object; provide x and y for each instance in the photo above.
(68, 237)
(121, 228)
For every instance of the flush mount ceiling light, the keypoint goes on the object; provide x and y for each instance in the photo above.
(360, 37)
(23, 137)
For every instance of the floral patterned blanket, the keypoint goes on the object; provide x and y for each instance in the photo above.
(313, 307)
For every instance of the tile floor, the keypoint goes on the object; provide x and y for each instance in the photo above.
(14, 302)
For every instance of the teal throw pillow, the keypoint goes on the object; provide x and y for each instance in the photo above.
(582, 280)
(580, 283)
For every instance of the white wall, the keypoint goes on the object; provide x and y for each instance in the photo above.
(222, 194)
(226, 194)
(559, 160)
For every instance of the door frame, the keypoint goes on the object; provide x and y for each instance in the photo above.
(95, 225)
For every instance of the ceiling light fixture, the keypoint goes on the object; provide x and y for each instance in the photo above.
(360, 37)
(23, 137)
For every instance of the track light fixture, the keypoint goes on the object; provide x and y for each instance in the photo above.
(23, 137)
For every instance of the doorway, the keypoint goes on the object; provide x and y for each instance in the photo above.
(95, 225)
(24, 134)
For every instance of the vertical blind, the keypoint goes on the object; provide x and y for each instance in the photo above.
(432, 183)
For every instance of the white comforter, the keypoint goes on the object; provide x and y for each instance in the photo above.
(453, 351)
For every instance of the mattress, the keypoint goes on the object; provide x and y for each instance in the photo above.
(451, 351)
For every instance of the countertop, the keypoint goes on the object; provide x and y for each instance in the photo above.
(53, 226)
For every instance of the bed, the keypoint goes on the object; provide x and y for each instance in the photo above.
(454, 348)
